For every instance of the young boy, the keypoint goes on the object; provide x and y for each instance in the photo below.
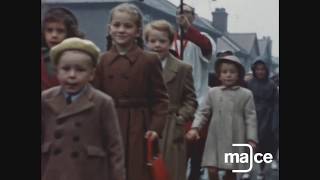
(80, 137)
(182, 98)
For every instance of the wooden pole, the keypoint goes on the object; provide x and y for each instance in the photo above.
(181, 32)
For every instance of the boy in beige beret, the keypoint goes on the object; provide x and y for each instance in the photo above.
(80, 137)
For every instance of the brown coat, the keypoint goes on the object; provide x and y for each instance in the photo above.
(183, 103)
(136, 84)
(80, 141)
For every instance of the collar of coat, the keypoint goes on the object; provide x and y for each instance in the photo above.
(230, 88)
(171, 68)
(57, 102)
(132, 54)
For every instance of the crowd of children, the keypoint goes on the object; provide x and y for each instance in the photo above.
(100, 108)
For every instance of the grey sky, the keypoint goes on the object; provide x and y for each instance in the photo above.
(260, 16)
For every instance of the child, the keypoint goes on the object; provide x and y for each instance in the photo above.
(178, 78)
(133, 78)
(265, 94)
(80, 138)
(213, 79)
(58, 24)
(231, 112)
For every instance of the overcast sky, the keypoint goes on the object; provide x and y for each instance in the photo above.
(260, 16)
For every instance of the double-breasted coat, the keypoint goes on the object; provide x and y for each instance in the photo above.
(232, 116)
(80, 141)
(136, 84)
(183, 103)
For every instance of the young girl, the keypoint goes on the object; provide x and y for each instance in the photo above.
(231, 112)
(58, 24)
(133, 78)
(178, 78)
(80, 134)
(265, 94)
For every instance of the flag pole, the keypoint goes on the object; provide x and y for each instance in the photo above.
(181, 32)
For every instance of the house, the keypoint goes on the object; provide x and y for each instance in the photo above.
(244, 45)
(226, 43)
(265, 48)
(249, 42)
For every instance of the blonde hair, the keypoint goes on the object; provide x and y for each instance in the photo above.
(133, 11)
(160, 25)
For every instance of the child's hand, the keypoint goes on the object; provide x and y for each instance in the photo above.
(152, 135)
(192, 135)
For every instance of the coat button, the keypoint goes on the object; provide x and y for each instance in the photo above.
(76, 138)
(74, 154)
(58, 134)
(77, 124)
(57, 151)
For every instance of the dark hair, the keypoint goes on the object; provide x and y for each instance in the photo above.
(64, 16)
(135, 12)
(254, 66)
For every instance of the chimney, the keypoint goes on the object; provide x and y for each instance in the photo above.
(220, 19)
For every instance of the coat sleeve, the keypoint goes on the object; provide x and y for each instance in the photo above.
(114, 145)
(189, 104)
(200, 40)
(250, 118)
(203, 113)
(158, 96)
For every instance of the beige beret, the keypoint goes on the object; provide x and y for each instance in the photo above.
(75, 44)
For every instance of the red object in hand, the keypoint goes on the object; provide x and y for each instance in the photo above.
(156, 162)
